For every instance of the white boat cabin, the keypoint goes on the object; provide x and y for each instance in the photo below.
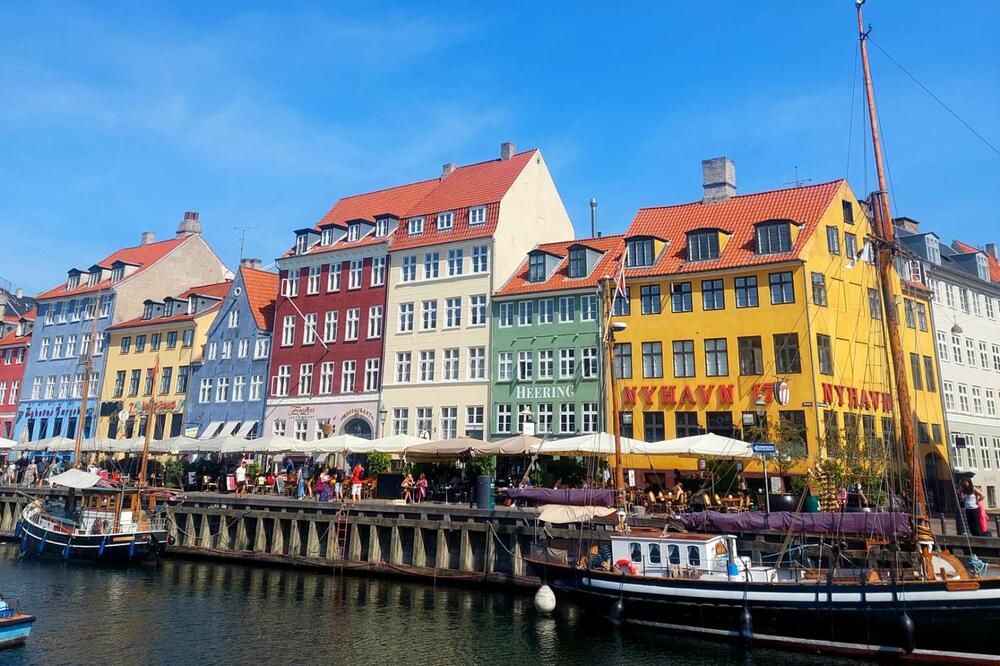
(702, 556)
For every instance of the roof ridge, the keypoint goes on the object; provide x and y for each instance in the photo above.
(386, 189)
(750, 194)
(495, 159)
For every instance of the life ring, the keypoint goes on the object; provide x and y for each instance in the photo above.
(626, 566)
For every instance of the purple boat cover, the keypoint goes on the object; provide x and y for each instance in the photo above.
(860, 523)
(571, 497)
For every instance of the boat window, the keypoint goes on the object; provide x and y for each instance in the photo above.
(674, 553)
(694, 556)
(654, 553)
(636, 552)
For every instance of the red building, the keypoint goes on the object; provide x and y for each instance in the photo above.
(15, 334)
(325, 373)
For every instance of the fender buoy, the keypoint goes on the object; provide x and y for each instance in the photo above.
(66, 551)
(626, 566)
(24, 543)
(17, 530)
(41, 543)
(100, 549)
(908, 633)
(617, 613)
(131, 550)
(746, 625)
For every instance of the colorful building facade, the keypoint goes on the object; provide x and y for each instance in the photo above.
(547, 341)
(237, 351)
(15, 337)
(82, 308)
(169, 337)
(761, 316)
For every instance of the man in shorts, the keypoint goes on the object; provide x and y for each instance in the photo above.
(356, 483)
(241, 478)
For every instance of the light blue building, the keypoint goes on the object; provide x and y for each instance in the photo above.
(237, 351)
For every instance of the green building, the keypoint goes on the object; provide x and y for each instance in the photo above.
(548, 366)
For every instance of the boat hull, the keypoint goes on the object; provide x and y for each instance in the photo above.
(111, 549)
(15, 630)
(868, 619)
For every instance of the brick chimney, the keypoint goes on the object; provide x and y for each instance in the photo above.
(146, 238)
(190, 225)
(991, 249)
(250, 263)
(507, 150)
(447, 170)
(907, 223)
(718, 179)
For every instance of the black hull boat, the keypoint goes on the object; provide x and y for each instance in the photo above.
(112, 548)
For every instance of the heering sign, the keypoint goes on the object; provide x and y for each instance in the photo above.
(687, 394)
(853, 398)
(544, 392)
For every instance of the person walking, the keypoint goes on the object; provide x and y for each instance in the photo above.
(30, 474)
(971, 499)
(338, 484)
(241, 478)
(356, 483)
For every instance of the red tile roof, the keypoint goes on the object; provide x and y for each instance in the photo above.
(392, 200)
(737, 216)
(262, 291)
(610, 246)
(141, 255)
(213, 290)
(12, 339)
(993, 264)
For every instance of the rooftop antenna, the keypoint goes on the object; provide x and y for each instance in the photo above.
(243, 236)
(593, 217)
(798, 182)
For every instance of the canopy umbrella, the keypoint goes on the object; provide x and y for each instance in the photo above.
(443, 449)
(274, 444)
(7, 443)
(55, 444)
(708, 445)
(75, 478)
(594, 444)
(337, 444)
(391, 444)
(523, 445)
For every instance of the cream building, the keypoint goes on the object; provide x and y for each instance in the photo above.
(451, 251)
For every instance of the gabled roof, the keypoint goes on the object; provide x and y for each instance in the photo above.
(12, 339)
(736, 216)
(390, 201)
(993, 264)
(142, 256)
(217, 290)
(261, 290)
(212, 290)
(610, 246)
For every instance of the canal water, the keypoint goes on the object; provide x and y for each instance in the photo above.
(188, 612)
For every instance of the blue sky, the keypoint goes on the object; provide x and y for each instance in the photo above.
(116, 118)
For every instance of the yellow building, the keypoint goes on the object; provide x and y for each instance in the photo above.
(759, 316)
(173, 331)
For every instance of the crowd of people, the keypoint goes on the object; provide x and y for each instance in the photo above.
(305, 480)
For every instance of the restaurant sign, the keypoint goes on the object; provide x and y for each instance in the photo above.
(544, 392)
(686, 394)
(853, 398)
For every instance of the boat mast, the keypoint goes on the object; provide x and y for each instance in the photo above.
(150, 415)
(887, 250)
(88, 368)
(609, 344)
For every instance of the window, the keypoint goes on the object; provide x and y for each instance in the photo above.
(301, 429)
(588, 307)
(525, 365)
(825, 351)
(424, 425)
(680, 297)
(477, 362)
(400, 421)
(453, 312)
(450, 365)
(774, 237)
(427, 366)
(506, 315)
(305, 379)
(819, 289)
(348, 369)
(963, 398)
(505, 366)
(622, 306)
(171, 339)
(403, 367)
(480, 259)
(205, 390)
(503, 418)
(546, 364)
(544, 422)
(786, 353)
(911, 321)
(653, 427)
(794, 422)
(874, 304)
(536, 267)
(984, 355)
(432, 265)
(703, 245)
(354, 273)
(921, 311)
(929, 374)
(477, 215)
(119, 389)
(353, 232)
(970, 352)
(782, 289)
(445, 221)
(652, 359)
(712, 295)
(623, 360)
(415, 226)
(455, 259)
(949, 396)
(124, 346)
(288, 331)
(428, 315)
(525, 313)
(405, 323)
(222, 390)
(683, 358)
(290, 285)
(312, 282)
(133, 384)
(649, 299)
(378, 271)
(308, 332)
(991, 403)
(746, 292)
(567, 418)
(686, 424)
(477, 310)
(182, 379)
(331, 322)
(71, 346)
(589, 363)
(371, 374)
(449, 422)
(351, 326)
(325, 378)
(996, 357)
(942, 345)
(833, 240)
(577, 262)
(716, 357)
(408, 269)
(211, 351)
(977, 400)
(567, 363)
(166, 378)
(850, 247)
(375, 321)
(639, 252)
(57, 343)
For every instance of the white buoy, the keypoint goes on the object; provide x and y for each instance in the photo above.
(545, 600)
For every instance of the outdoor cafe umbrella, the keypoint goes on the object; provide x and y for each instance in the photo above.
(518, 445)
(708, 445)
(444, 449)
(595, 444)
(7, 443)
(393, 444)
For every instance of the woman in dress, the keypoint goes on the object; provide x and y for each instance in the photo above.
(323, 486)
(970, 497)
(407, 487)
(422, 488)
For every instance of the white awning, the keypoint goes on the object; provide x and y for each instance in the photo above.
(209, 430)
(75, 478)
(245, 428)
(228, 428)
(6, 443)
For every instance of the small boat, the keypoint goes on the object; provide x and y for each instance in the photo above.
(96, 522)
(14, 625)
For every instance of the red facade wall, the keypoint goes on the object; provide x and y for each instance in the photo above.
(11, 372)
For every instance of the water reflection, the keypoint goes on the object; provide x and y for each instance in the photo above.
(194, 612)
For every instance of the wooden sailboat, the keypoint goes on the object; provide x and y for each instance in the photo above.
(903, 598)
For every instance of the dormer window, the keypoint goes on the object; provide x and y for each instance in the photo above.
(301, 243)
(933, 249)
(640, 252)
(326, 238)
(147, 311)
(381, 227)
(73, 281)
(982, 267)
(703, 245)
(477, 215)
(774, 238)
(93, 278)
(353, 232)
(190, 305)
(415, 227)
(577, 262)
(117, 274)
(536, 267)
(445, 221)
